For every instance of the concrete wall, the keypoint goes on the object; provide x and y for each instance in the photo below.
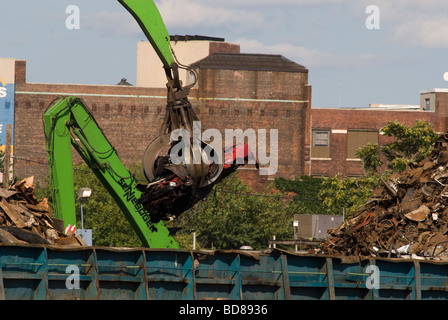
(150, 71)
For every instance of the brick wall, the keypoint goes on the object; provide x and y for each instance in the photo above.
(224, 99)
(277, 100)
(223, 47)
(442, 111)
(338, 120)
(131, 116)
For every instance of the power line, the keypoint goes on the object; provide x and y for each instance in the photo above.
(46, 164)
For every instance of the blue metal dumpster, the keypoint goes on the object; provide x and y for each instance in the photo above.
(103, 273)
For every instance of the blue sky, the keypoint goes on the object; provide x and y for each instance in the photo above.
(349, 65)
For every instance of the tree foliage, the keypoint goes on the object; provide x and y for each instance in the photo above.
(232, 216)
(101, 213)
(370, 157)
(305, 198)
(332, 195)
(346, 195)
(411, 144)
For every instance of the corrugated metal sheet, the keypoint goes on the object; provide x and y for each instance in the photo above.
(51, 273)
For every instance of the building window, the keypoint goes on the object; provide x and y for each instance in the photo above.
(321, 144)
(321, 138)
(427, 104)
(358, 139)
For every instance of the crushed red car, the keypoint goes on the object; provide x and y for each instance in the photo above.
(174, 191)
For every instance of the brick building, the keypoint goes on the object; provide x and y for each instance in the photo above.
(234, 91)
(188, 49)
(337, 133)
(257, 91)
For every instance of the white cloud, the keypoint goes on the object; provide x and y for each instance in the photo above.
(423, 31)
(313, 58)
(412, 23)
(111, 23)
(302, 55)
(277, 3)
(186, 13)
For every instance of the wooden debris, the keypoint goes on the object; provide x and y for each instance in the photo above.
(26, 220)
(13, 215)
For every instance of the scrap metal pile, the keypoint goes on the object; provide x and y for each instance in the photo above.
(25, 220)
(407, 216)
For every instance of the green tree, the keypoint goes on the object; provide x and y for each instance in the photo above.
(347, 195)
(411, 144)
(306, 190)
(370, 157)
(101, 213)
(233, 216)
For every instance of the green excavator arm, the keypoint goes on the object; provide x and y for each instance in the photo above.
(67, 123)
(179, 112)
(148, 17)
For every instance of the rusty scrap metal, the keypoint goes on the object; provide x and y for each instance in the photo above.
(407, 217)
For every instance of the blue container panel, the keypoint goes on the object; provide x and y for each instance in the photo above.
(121, 290)
(263, 291)
(24, 272)
(61, 267)
(349, 280)
(121, 274)
(57, 290)
(22, 289)
(434, 281)
(217, 276)
(161, 290)
(262, 279)
(353, 293)
(305, 292)
(39, 272)
(307, 277)
(169, 274)
(214, 291)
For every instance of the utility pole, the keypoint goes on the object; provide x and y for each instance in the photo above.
(7, 159)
